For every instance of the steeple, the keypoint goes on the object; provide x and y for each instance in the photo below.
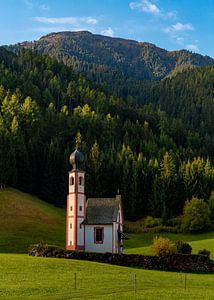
(76, 159)
(76, 203)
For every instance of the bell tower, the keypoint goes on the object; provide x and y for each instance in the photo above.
(76, 200)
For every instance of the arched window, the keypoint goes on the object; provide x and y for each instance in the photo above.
(80, 180)
(72, 180)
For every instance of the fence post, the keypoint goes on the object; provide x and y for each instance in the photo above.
(75, 280)
(135, 281)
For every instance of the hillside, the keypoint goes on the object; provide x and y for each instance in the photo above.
(103, 58)
(140, 243)
(26, 220)
(49, 110)
(24, 277)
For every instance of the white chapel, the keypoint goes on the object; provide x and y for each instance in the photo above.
(94, 224)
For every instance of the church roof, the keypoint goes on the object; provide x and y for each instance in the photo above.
(102, 211)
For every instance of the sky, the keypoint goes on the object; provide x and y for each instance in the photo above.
(169, 24)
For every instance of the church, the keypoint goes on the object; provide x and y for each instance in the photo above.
(94, 224)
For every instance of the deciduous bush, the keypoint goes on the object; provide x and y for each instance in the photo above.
(204, 252)
(183, 247)
(162, 247)
(196, 215)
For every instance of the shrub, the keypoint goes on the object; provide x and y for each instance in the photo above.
(46, 250)
(204, 252)
(162, 247)
(196, 215)
(183, 247)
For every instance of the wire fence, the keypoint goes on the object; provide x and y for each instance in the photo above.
(102, 282)
(131, 284)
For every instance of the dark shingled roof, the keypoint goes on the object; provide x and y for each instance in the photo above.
(102, 210)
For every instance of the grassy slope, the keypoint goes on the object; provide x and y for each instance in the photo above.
(141, 243)
(24, 277)
(25, 220)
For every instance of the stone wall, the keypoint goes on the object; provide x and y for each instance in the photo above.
(174, 262)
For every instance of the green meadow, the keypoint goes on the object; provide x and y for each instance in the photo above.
(23, 277)
(141, 243)
(26, 220)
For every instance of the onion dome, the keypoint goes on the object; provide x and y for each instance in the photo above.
(76, 158)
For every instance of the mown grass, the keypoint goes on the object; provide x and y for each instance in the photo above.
(140, 243)
(26, 220)
(23, 277)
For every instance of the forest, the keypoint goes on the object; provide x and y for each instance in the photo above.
(152, 141)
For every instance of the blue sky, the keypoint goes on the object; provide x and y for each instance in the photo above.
(170, 24)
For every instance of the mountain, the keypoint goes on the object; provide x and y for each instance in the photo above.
(107, 59)
(26, 220)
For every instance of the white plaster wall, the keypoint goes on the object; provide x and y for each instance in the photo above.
(80, 219)
(71, 198)
(71, 232)
(81, 202)
(89, 239)
(70, 219)
(81, 189)
(80, 232)
(114, 237)
(119, 225)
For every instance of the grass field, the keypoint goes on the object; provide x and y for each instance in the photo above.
(23, 277)
(141, 243)
(26, 220)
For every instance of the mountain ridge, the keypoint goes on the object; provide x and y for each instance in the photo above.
(103, 58)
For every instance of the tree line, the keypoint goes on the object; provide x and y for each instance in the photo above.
(150, 153)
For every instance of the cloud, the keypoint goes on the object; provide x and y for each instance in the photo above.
(151, 8)
(109, 32)
(178, 32)
(192, 47)
(171, 14)
(145, 6)
(31, 4)
(179, 40)
(178, 27)
(67, 20)
(67, 24)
